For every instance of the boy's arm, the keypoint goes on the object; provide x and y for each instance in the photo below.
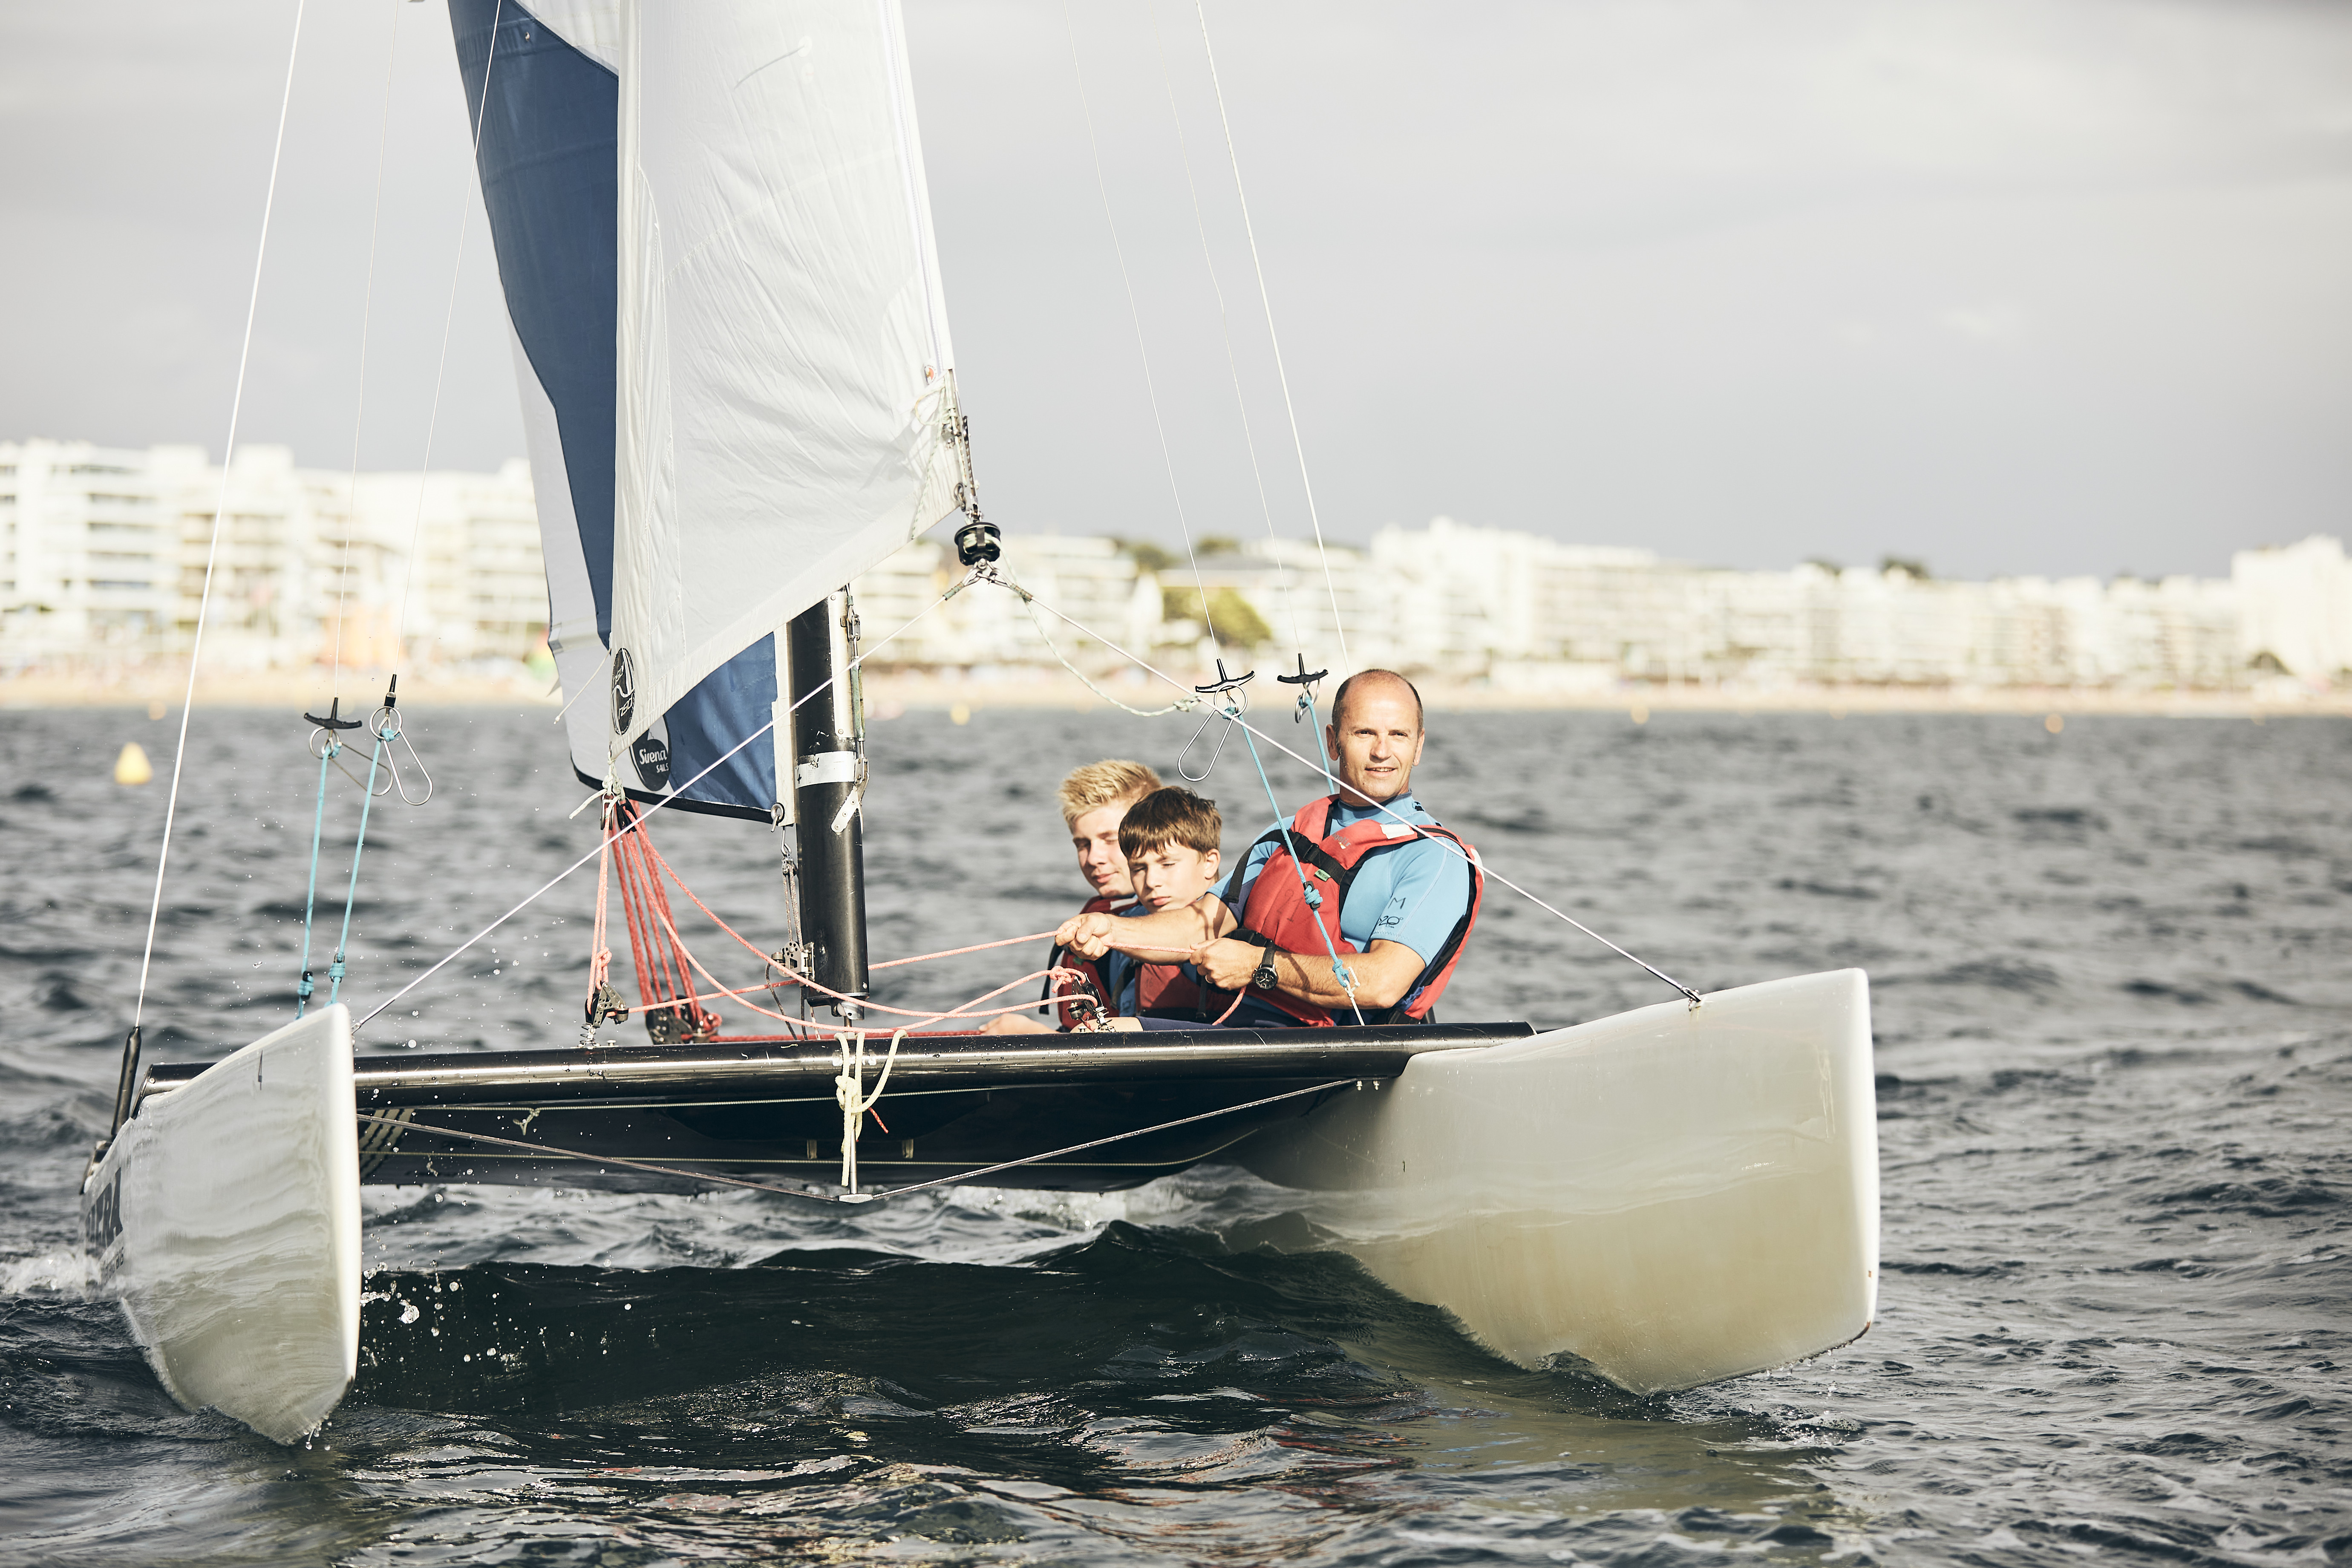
(1162, 938)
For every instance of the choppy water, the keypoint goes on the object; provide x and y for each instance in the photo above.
(2114, 1011)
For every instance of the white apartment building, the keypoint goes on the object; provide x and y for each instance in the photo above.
(103, 552)
(102, 556)
(2298, 608)
(1088, 579)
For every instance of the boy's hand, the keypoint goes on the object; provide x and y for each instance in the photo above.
(1086, 935)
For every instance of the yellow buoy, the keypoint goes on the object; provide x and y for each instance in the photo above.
(131, 767)
(960, 714)
(1641, 715)
(2055, 722)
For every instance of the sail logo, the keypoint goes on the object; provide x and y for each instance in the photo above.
(625, 690)
(102, 1218)
(651, 753)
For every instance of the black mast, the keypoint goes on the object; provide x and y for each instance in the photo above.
(828, 780)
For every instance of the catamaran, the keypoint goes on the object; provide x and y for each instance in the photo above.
(714, 239)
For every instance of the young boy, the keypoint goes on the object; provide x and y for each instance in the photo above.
(1170, 839)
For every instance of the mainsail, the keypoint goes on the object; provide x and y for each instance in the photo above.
(714, 239)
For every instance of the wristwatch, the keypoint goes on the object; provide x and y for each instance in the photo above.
(1264, 978)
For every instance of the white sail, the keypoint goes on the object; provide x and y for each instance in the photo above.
(785, 400)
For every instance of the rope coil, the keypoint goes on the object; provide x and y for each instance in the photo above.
(848, 1089)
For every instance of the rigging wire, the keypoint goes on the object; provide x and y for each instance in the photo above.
(1224, 326)
(1267, 301)
(1135, 315)
(401, 1125)
(359, 399)
(212, 548)
(1142, 663)
(448, 321)
(678, 792)
(1181, 705)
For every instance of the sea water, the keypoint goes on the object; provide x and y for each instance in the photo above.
(2112, 979)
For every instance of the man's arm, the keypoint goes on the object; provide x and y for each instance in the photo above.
(1383, 974)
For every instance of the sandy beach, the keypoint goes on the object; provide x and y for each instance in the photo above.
(159, 687)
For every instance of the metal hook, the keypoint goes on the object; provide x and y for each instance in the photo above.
(1234, 701)
(391, 732)
(384, 725)
(1222, 736)
(333, 753)
(1305, 680)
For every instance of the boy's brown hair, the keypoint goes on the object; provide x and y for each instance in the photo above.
(1167, 817)
(1102, 783)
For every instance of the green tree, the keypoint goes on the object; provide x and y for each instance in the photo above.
(1235, 622)
(1231, 619)
(1150, 557)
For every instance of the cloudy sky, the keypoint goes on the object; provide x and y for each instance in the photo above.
(2053, 286)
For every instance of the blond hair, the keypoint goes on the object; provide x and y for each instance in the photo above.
(1102, 783)
(1167, 817)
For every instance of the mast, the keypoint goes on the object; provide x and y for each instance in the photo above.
(828, 749)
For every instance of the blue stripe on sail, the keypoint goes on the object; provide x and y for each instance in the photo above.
(730, 703)
(549, 165)
(550, 169)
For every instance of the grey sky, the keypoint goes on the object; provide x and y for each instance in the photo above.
(2013, 287)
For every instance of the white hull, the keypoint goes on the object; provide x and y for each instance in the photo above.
(1673, 1196)
(225, 1218)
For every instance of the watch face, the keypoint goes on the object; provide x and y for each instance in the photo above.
(1264, 978)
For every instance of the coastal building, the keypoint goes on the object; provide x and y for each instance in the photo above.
(2296, 615)
(102, 556)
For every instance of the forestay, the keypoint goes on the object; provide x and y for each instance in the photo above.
(714, 239)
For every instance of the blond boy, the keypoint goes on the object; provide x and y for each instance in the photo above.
(1094, 800)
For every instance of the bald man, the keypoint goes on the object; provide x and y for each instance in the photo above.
(1358, 910)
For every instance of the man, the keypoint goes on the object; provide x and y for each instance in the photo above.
(1357, 911)
(1095, 800)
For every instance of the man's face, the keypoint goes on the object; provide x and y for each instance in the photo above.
(1100, 860)
(1376, 742)
(1173, 875)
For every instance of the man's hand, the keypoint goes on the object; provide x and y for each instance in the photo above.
(1381, 976)
(1088, 936)
(1228, 963)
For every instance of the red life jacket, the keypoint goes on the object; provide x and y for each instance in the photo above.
(1161, 990)
(1281, 915)
(1066, 1013)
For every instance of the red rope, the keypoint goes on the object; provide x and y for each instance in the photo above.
(665, 967)
(663, 977)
